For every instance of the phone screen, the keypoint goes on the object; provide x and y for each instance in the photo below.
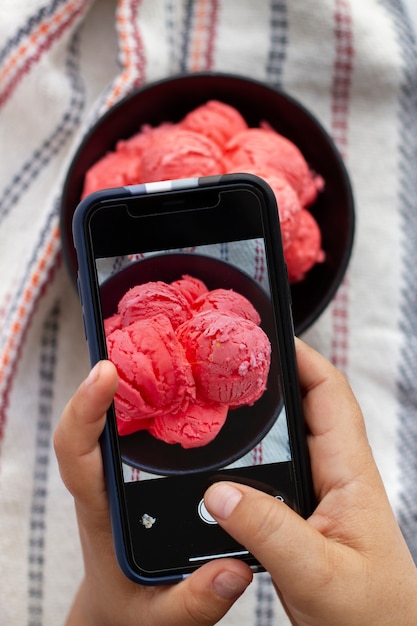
(191, 313)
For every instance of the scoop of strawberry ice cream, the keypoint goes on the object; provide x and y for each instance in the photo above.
(139, 143)
(154, 375)
(216, 120)
(213, 139)
(193, 427)
(181, 154)
(289, 207)
(263, 147)
(229, 302)
(305, 249)
(230, 361)
(114, 322)
(190, 287)
(113, 170)
(151, 298)
(288, 202)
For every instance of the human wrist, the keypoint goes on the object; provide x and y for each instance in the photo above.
(82, 611)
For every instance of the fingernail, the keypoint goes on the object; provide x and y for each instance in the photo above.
(221, 500)
(229, 585)
(93, 375)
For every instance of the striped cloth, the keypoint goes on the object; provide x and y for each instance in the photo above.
(62, 64)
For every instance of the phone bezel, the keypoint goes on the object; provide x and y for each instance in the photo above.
(281, 295)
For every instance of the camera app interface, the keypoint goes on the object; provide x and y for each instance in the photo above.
(191, 332)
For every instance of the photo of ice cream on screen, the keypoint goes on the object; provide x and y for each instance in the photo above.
(194, 358)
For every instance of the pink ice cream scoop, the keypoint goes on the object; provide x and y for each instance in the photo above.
(229, 302)
(114, 322)
(190, 287)
(113, 170)
(140, 142)
(183, 363)
(289, 205)
(181, 154)
(193, 427)
(230, 361)
(305, 249)
(154, 375)
(263, 147)
(216, 120)
(149, 299)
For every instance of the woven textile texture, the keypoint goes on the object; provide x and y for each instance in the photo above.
(63, 63)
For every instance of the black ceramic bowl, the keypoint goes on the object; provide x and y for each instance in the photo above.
(245, 426)
(171, 100)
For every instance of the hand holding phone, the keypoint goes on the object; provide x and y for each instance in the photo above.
(348, 563)
(300, 555)
(105, 595)
(210, 396)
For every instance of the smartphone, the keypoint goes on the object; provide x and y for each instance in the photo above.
(208, 386)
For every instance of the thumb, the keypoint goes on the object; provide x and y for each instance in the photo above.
(204, 597)
(283, 542)
(76, 439)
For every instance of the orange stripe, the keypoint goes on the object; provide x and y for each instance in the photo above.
(199, 38)
(27, 298)
(41, 30)
(126, 53)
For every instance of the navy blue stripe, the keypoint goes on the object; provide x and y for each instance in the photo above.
(41, 157)
(37, 520)
(265, 599)
(173, 36)
(277, 42)
(224, 251)
(406, 383)
(25, 30)
(186, 35)
(171, 29)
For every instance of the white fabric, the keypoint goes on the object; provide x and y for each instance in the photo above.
(353, 64)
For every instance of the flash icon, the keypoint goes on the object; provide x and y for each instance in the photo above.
(147, 520)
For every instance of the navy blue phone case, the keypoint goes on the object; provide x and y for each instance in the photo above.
(88, 293)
